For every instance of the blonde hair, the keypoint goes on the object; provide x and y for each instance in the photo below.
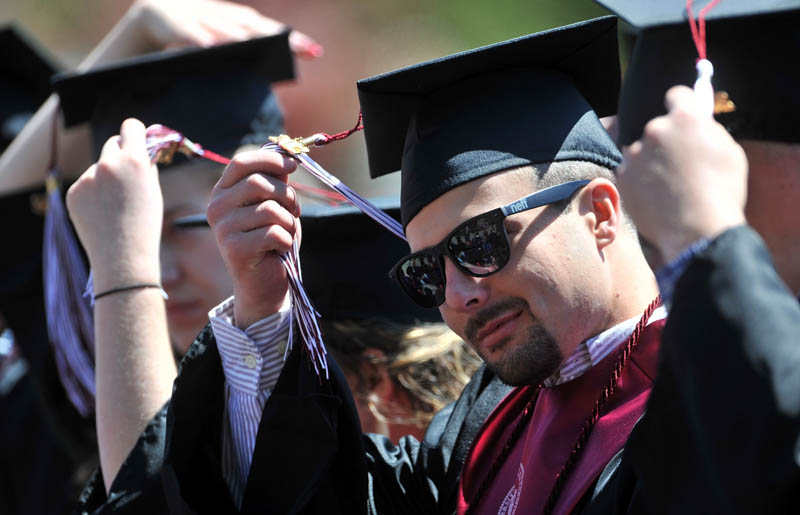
(429, 361)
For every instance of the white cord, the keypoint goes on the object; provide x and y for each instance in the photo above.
(703, 87)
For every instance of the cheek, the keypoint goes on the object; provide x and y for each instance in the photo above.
(204, 268)
(551, 276)
(454, 321)
(528, 275)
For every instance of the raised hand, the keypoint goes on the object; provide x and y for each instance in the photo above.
(117, 209)
(685, 179)
(168, 23)
(254, 214)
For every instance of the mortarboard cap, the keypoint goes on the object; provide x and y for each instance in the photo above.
(528, 100)
(345, 255)
(219, 97)
(25, 70)
(750, 44)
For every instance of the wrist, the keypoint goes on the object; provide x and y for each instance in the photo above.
(130, 288)
(126, 39)
(248, 310)
(135, 21)
(122, 272)
(672, 245)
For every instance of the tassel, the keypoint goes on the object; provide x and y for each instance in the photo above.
(302, 310)
(70, 325)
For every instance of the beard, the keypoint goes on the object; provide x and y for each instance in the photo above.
(536, 359)
(531, 361)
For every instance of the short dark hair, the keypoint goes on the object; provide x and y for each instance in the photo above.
(551, 174)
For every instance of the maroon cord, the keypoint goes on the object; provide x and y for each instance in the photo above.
(328, 138)
(608, 391)
(583, 436)
(698, 27)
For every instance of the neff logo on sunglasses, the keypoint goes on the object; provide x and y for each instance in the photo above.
(520, 205)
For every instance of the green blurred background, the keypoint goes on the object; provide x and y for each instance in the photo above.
(361, 38)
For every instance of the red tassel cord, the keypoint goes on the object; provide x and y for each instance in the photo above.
(705, 70)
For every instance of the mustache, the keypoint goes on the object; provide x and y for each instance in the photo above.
(489, 313)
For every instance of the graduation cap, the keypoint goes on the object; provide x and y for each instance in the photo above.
(25, 71)
(751, 44)
(219, 97)
(345, 255)
(533, 99)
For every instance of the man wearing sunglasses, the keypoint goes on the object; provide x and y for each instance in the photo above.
(520, 240)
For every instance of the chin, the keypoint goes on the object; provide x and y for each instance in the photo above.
(531, 361)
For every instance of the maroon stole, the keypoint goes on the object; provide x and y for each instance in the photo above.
(528, 475)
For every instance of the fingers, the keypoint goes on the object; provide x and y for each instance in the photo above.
(226, 32)
(304, 46)
(257, 161)
(683, 98)
(194, 36)
(257, 188)
(132, 136)
(255, 217)
(111, 150)
(250, 248)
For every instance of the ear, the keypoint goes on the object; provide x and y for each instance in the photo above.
(601, 203)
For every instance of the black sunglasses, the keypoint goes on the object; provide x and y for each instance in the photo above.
(478, 247)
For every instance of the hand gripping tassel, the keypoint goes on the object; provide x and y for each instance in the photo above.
(302, 310)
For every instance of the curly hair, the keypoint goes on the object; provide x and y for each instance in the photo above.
(428, 361)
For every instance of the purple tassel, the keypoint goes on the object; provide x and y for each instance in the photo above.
(302, 310)
(367, 207)
(70, 324)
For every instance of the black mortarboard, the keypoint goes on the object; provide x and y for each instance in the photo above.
(345, 256)
(528, 100)
(751, 44)
(25, 70)
(218, 96)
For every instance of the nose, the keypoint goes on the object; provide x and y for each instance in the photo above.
(463, 293)
(170, 271)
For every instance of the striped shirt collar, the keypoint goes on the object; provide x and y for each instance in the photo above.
(593, 350)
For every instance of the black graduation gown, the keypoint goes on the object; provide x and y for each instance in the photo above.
(721, 433)
(51, 448)
(310, 455)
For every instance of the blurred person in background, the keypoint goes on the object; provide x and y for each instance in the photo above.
(36, 455)
(146, 27)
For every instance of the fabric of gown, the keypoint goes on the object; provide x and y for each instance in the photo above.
(310, 454)
(722, 428)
